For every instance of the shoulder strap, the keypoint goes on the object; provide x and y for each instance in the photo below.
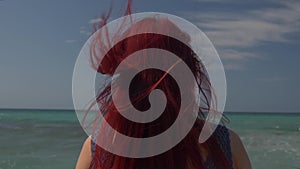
(222, 138)
(93, 146)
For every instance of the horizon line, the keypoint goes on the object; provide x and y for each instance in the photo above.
(233, 112)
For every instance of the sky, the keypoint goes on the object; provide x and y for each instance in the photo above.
(258, 42)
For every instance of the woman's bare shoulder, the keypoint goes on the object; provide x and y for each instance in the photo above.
(85, 156)
(239, 154)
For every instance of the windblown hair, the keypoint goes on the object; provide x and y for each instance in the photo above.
(188, 153)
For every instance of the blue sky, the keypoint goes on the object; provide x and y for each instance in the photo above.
(258, 42)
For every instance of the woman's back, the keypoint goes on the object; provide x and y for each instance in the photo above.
(221, 136)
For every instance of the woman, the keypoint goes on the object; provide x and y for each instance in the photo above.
(223, 150)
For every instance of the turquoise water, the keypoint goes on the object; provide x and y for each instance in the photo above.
(44, 139)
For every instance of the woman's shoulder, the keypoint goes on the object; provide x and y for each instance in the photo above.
(239, 154)
(221, 136)
(85, 157)
(232, 146)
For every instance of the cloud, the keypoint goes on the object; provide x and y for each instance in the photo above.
(245, 33)
(249, 28)
(231, 54)
(84, 31)
(234, 59)
(232, 31)
(95, 20)
(290, 13)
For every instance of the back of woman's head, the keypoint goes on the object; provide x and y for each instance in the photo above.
(188, 153)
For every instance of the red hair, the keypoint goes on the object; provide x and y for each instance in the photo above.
(188, 153)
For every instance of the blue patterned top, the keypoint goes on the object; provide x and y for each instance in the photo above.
(222, 138)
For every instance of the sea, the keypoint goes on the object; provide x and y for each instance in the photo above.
(52, 139)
